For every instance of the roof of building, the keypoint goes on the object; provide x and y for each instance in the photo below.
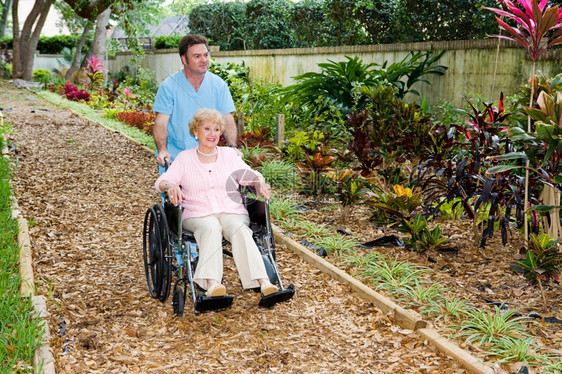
(174, 25)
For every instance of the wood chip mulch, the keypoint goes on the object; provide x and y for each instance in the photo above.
(85, 189)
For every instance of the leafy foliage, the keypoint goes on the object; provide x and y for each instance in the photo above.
(424, 20)
(542, 261)
(224, 23)
(392, 208)
(280, 173)
(473, 149)
(421, 238)
(341, 83)
(387, 131)
(316, 23)
(167, 41)
(337, 81)
(268, 25)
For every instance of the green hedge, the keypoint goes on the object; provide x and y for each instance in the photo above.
(167, 42)
(53, 45)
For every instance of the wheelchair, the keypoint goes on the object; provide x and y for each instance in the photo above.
(170, 256)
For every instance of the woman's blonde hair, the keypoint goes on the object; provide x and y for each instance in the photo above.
(205, 114)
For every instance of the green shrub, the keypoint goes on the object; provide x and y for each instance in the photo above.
(168, 42)
(43, 76)
(55, 44)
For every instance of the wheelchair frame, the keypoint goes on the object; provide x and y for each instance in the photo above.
(167, 251)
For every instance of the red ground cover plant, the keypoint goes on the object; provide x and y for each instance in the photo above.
(141, 120)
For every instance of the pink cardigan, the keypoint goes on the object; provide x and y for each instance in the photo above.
(210, 188)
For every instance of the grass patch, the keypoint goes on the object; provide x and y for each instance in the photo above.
(20, 329)
(96, 116)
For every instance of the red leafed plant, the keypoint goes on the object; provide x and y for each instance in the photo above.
(534, 22)
(141, 120)
(71, 92)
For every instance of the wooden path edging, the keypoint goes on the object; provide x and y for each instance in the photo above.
(406, 319)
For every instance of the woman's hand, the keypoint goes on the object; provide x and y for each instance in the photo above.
(262, 188)
(174, 191)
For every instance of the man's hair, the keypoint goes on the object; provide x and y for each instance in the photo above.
(190, 40)
(203, 114)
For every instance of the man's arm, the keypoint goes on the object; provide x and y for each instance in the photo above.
(230, 132)
(160, 132)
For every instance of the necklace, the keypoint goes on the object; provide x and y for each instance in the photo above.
(207, 154)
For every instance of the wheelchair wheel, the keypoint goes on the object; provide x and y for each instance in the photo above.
(178, 298)
(157, 253)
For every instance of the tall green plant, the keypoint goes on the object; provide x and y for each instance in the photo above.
(336, 82)
(341, 82)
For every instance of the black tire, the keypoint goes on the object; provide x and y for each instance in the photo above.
(156, 253)
(151, 251)
(178, 300)
(166, 257)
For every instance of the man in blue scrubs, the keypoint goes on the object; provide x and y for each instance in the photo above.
(182, 93)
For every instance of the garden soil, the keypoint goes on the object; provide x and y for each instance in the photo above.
(84, 190)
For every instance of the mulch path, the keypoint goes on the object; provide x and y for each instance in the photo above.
(84, 190)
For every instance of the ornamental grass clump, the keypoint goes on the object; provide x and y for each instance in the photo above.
(491, 327)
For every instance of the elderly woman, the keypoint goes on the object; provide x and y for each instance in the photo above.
(205, 180)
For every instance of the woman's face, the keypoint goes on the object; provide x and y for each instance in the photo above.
(208, 133)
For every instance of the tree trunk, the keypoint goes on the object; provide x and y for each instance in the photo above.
(76, 62)
(27, 64)
(26, 30)
(16, 61)
(98, 46)
(4, 19)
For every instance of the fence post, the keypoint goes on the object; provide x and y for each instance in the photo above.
(280, 129)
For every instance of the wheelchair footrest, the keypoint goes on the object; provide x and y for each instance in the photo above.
(270, 300)
(207, 304)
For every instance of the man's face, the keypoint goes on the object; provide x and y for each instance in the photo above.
(197, 59)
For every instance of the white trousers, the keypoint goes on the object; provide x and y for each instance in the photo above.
(209, 231)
